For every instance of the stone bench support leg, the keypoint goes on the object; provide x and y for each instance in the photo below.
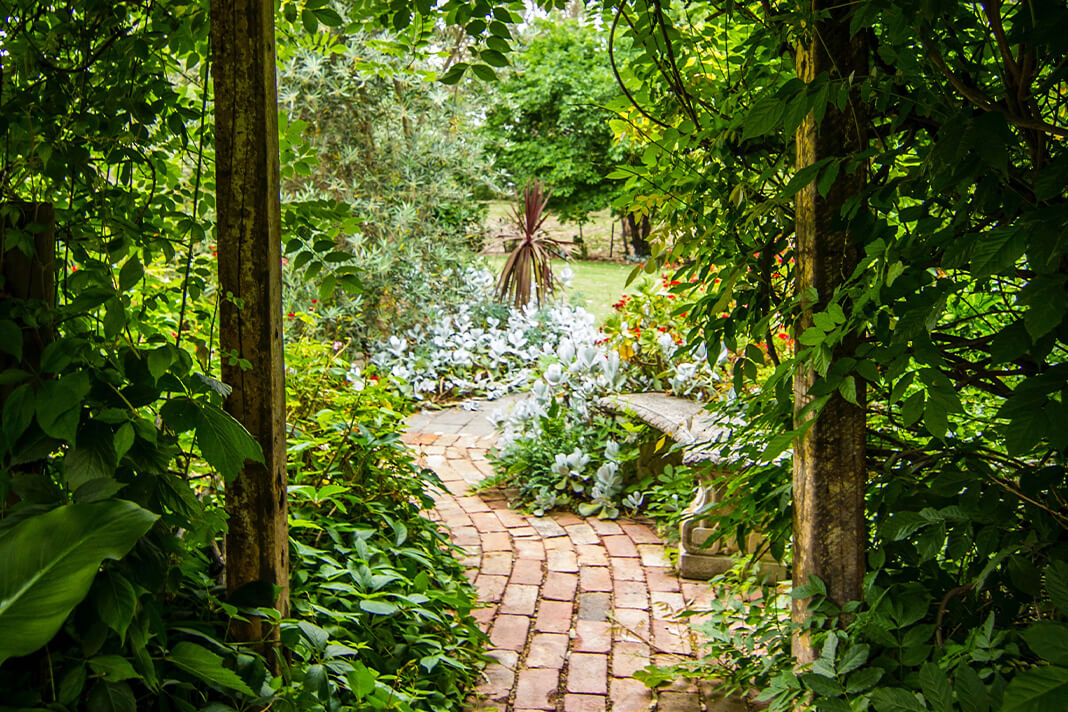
(701, 560)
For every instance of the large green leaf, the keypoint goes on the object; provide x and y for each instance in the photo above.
(201, 662)
(49, 562)
(1040, 689)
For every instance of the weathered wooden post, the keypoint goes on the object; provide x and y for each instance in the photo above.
(828, 470)
(250, 282)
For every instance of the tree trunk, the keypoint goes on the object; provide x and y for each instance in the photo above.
(828, 469)
(250, 324)
(30, 277)
(27, 277)
(638, 230)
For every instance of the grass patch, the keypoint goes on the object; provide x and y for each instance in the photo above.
(596, 286)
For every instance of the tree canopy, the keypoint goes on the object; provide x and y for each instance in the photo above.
(547, 119)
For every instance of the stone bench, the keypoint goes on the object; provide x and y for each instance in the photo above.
(688, 423)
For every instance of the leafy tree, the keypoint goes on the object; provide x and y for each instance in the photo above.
(898, 209)
(546, 118)
(399, 158)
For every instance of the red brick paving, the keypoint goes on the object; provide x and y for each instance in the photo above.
(573, 606)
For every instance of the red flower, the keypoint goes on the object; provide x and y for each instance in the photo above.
(291, 315)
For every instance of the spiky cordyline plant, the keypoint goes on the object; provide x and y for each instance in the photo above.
(529, 261)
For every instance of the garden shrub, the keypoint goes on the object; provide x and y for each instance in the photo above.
(478, 347)
(383, 607)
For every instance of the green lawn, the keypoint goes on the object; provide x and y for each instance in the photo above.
(596, 286)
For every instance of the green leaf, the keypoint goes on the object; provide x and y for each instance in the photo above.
(130, 274)
(454, 73)
(935, 686)
(11, 339)
(1040, 689)
(224, 442)
(1049, 640)
(71, 686)
(49, 562)
(848, 389)
(802, 178)
(310, 21)
(115, 601)
(996, 251)
(1046, 303)
(971, 693)
(180, 414)
(329, 17)
(896, 699)
(113, 668)
(18, 411)
(89, 461)
(812, 337)
(1057, 585)
(59, 408)
(124, 440)
(159, 361)
(206, 665)
(934, 417)
(493, 58)
(853, 658)
(763, 118)
(112, 697)
(484, 72)
(378, 607)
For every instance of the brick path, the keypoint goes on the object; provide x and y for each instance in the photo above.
(572, 607)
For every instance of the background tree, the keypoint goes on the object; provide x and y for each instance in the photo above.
(546, 117)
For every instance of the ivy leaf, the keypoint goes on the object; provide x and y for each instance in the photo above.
(206, 665)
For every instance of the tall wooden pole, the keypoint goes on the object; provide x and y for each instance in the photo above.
(250, 282)
(828, 469)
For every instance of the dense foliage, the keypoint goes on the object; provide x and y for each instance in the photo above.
(394, 152)
(547, 117)
(956, 312)
(114, 447)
